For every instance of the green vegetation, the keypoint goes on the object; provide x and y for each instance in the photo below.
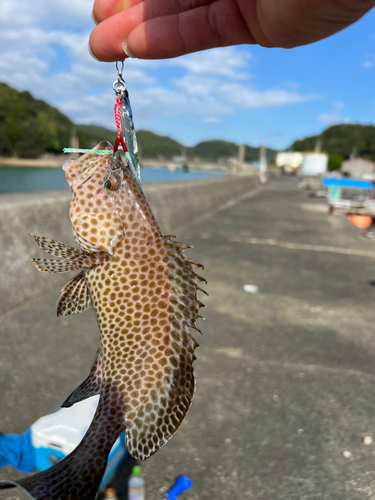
(150, 145)
(97, 134)
(214, 150)
(157, 146)
(30, 127)
(334, 162)
(218, 149)
(342, 140)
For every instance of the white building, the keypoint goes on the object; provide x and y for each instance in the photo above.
(288, 159)
(314, 163)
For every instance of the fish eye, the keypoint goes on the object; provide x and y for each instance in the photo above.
(111, 183)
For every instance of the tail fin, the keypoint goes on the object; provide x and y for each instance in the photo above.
(77, 476)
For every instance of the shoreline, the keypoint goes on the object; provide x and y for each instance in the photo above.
(50, 162)
(231, 166)
(58, 160)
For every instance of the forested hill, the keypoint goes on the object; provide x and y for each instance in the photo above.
(217, 149)
(153, 145)
(342, 140)
(30, 127)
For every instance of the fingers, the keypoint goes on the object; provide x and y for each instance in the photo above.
(103, 9)
(107, 38)
(202, 28)
(148, 36)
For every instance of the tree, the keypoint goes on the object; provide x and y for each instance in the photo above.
(334, 162)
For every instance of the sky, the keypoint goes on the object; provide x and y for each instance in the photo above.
(245, 94)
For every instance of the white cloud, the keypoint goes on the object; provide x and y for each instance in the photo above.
(228, 61)
(243, 96)
(27, 66)
(212, 119)
(211, 97)
(334, 116)
(46, 13)
(291, 85)
(369, 61)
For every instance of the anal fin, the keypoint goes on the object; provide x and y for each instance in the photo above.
(90, 387)
(75, 297)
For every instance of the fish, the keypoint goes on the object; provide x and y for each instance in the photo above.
(143, 289)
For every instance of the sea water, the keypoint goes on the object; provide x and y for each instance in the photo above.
(23, 179)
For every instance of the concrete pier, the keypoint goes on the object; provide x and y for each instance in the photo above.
(47, 214)
(285, 376)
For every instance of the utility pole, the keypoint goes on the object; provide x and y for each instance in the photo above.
(241, 153)
(263, 156)
(318, 146)
(73, 142)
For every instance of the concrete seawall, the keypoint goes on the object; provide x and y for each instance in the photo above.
(46, 213)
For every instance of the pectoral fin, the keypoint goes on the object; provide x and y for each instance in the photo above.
(75, 297)
(71, 259)
(64, 266)
(90, 387)
(56, 248)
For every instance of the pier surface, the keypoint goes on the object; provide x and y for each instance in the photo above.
(285, 376)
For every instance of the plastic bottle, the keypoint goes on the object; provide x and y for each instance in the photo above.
(136, 484)
(110, 494)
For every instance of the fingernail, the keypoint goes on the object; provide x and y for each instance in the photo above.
(122, 5)
(126, 50)
(93, 17)
(90, 52)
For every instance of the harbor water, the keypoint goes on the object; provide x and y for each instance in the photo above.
(26, 179)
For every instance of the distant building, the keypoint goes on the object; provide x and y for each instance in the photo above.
(314, 163)
(287, 159)
(357, 167)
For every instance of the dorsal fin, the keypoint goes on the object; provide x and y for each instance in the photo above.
(183, 282)
(152, 424)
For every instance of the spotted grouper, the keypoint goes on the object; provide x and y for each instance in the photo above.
(143, 290)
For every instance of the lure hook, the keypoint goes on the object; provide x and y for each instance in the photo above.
(119, 72)
(119, 86)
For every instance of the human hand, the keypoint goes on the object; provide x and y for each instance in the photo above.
(159, 29)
